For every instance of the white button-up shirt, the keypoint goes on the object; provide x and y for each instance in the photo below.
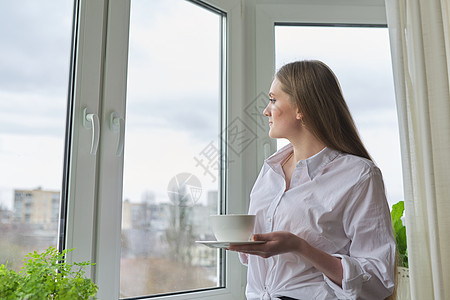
(337, 203)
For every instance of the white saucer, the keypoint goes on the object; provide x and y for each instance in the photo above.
(217, 244)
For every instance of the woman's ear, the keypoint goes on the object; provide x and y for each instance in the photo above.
(299, 116)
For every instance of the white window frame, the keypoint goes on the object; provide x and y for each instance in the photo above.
(95, 181)
(87, 64)
(270, 12)
(101, 51)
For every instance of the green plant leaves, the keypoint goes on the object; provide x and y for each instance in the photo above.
(47, 276)
(9, 282)
(400, 232)
(397, 213)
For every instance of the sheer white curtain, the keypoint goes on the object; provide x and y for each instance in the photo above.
(420, 41)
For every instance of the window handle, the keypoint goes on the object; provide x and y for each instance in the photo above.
(91, 121)
(117, 124)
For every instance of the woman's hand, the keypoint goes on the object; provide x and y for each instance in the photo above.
(282, 242)
(275, 243)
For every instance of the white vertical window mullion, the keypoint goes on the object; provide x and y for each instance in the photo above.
(108, 217)
(82, 169)
(265, 69)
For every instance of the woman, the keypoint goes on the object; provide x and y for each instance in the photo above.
(320, 202)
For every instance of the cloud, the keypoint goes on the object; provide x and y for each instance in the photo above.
(174, 68)
(359, 57)
(196, 116)
(174, 50)
(34, 75)
(35, 45)
(34, 66)
(26, 113)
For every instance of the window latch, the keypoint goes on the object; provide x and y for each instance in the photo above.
(91, 121)
(117, 124)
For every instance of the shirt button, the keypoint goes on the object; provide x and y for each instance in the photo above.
(365, 277)
(269, 219)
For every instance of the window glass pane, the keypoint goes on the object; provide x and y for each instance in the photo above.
(360, 57)
(34, 74)
(171, 165)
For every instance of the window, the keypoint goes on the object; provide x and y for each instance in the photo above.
(360, 57)
(172, 155)
(162, 112)
(34, 67)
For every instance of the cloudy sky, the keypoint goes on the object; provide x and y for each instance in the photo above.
(34, 63)
(173, 92)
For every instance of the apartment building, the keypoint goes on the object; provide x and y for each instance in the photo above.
(36, 206)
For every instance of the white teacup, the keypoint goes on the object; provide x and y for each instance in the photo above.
(232, 228)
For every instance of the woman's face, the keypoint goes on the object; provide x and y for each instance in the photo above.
(284, 118)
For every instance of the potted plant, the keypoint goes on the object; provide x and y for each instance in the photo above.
(403, 285)
(47, 276)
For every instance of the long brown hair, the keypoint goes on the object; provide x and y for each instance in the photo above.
(316, 91)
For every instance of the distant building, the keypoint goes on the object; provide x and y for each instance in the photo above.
(156, 229)
(144, 215)
(37, 207)
(5, 215)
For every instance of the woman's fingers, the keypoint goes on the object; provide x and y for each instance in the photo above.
(275, 243)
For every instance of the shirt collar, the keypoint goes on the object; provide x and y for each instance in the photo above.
(314, 163)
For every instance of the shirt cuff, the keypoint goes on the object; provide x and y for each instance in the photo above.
(353, 278)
